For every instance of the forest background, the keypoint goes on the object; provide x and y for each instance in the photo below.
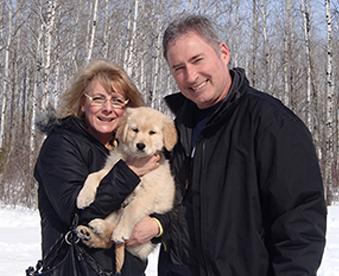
(288, 48)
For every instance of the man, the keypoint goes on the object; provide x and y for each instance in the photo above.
(250, 198)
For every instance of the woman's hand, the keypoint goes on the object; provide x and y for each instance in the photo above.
(144, 231)
(144, 165)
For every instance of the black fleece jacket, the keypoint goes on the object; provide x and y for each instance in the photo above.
(252, 197)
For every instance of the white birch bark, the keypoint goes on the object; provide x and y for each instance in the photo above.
(312, 109)
(6, 76)
(55, 95)
(254, 42)
(329, 107)
(129, 55)
(106, 30)
(49, 26)
(89, 26)
(141, 77)
(2, 22)
(306, 18)
(236, 45)
(230, 25)
(34, 100)
(74, 38)
(189, 6)
(263, 7)
(156, 71)
(266, 77)
(287, 43)
(94, 26)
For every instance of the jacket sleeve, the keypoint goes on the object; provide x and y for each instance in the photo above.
(293, 197)
(61, 170)
(164, 219)
(112, 191)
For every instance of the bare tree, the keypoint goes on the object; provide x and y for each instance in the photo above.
(329, 108)
(6, 75)
(265, 54)
(236, 27)
(94, 26)
(287, 52)
(254, 42)
(132, 36)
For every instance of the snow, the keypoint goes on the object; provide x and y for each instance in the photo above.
(20, 243)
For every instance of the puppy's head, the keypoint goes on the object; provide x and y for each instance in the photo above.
(144, 131)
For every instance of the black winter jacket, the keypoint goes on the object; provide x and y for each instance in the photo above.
(252, 195)
(66, 158)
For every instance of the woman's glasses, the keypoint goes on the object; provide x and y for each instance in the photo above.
(116, 102)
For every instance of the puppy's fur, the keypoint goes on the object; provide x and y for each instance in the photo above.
(143, 132)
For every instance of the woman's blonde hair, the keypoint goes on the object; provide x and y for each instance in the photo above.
(109, 75)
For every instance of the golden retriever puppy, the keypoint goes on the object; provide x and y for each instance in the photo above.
(143, 132)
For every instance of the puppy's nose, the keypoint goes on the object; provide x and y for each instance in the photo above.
(141, 146)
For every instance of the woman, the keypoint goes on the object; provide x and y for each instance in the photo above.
(91, 110)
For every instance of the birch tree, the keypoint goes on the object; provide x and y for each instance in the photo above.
(73, 45)
(237, 24)
(6, 75)
(307, 31)
(34, 100)
(94, 26)
(107, 30)
(156, 57)
(265, 60)
(287, 53)
(132, 35)
(329, 108)
(48, 25)
(254, 42)
(309, 65)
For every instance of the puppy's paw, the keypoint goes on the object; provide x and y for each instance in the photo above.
(93, 239)
(85, 197)
(88, 191)
(98, 226)
(83, 232)
(121, 234)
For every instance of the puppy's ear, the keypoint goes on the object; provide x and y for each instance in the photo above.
(170, 134)
(121, 134)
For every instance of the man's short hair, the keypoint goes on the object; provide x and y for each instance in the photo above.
(185, 24)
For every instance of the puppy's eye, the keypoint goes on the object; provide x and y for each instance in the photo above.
(152, 132)
(136, 130)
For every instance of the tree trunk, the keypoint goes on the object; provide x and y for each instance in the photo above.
(265, 59)
(254, 43)
(94, 26)
(48, 29)
(6, 77)
(130, 43)
(329, 113)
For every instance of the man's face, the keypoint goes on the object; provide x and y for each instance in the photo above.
(201, 75)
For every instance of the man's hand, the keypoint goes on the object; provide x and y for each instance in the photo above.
(144, 231)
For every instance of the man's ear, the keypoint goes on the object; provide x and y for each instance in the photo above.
(224, 53)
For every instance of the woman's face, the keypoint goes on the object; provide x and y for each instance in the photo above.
(103, 119)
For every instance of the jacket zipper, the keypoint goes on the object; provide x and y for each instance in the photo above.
(204, 250)
(202, 253)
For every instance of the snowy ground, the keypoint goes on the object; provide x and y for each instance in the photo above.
(20, 243)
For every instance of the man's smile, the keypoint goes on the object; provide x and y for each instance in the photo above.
(199, 86)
